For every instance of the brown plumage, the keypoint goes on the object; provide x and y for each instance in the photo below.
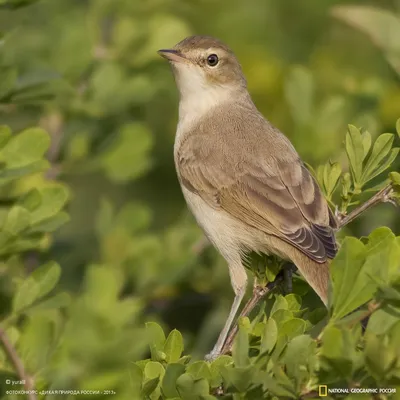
(240, 176)
(272, 192)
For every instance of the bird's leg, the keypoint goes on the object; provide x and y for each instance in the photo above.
(259, 292)
(216, 351)
(239, 283)
(288, 270)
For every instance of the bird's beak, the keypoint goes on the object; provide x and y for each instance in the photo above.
(172, 55)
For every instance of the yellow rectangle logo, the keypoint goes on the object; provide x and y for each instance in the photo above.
(323, 390)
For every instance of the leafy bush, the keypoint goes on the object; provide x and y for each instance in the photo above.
(291, 350)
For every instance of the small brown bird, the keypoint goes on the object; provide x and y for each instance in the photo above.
(241, 177)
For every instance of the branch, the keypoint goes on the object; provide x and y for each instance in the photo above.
(258, 293)
(18, 365)
(383, 196)
(54, 124)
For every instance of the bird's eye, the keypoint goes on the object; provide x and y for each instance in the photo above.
(212, 60)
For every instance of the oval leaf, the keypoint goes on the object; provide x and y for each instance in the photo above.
(38, 284)
(173, 347)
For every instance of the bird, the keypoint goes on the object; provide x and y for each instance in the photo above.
(242, 179)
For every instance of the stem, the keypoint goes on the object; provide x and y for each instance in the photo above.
(258, 293)
(18, 365)
(382, 196)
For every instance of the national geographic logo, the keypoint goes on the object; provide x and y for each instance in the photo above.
(323, 390)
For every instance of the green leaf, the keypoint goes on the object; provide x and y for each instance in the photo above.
(279, 304)
(292, 328)
(298, 354)
(153, 369)
(60, 300)
(382, 250)
(38, 284)
(7, 175)
(156, 338)
(78, 147)
(188, 387)
(283, 379)
(299, 93)
(5, 135)
(17, 220)
(31, 90)
(382, 27)
(239, 377)
(134, 217)
(8, 78)
(337, 351)
(380, 150)
(272, 385)
(51, 224)
(185, 360)
(381, 321)
(386, 163)
(199, 370)
(153, 373)
(366, 141)
(349, 279)
(395, 178)
(240, 350)
(30, 200)
(269, 337)
(150, 386)
(398, 127)
(281, 316)
(25, 148)
(129, 156)
(346, 186)
(293, 301)
(331, 180)
(136, 375)
(172, 373)
(14, 4)
(54, 198)
(173, 347)
(378, 357)
(216, 366)
(355, 152)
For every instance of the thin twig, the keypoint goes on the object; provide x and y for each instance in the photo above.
(372, 306)
(259, 292)
(18, 365)
(383, 196)
(54, 124)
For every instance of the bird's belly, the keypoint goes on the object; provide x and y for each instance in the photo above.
(226, 233)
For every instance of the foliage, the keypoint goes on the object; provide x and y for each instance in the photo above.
(289, 350)
(381, 25)
(87, 179)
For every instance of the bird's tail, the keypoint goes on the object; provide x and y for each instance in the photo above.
(316, 274)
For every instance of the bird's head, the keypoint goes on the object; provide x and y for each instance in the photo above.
(203, 63)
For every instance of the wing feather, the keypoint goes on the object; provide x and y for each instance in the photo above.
(274, 194)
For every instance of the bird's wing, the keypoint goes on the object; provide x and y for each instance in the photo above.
(279, 198)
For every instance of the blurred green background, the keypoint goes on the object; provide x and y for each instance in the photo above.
(87, 71)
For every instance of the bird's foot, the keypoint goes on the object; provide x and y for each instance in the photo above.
(213, 355)
(338, 214)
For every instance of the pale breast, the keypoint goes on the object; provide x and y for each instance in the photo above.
(228, 234)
